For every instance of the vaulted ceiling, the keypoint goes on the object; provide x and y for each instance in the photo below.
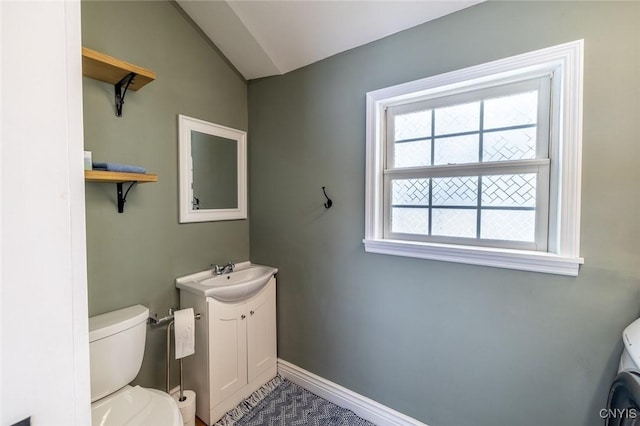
(268, 37)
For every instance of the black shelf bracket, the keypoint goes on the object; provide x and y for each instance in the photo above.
(123, 198)
(120, 93)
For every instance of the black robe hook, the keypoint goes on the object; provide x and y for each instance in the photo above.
(329, 203)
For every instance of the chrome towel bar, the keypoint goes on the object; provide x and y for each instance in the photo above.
(154, 320)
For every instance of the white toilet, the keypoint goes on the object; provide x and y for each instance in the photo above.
(116, 347)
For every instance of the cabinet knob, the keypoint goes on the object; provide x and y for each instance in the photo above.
(243, 316)
(252, 312)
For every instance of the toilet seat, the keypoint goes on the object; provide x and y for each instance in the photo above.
(136, 406)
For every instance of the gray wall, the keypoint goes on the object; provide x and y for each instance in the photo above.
(134, 257)
(446, 343)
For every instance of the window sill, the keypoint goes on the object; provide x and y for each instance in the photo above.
(548, 263)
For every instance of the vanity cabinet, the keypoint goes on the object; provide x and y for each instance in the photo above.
(235, 350)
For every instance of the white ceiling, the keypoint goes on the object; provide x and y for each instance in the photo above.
(269, 37)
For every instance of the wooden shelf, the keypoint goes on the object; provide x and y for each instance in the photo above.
(111, 70)
(118, 177)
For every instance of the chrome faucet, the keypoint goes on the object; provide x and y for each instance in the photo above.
(220, 269)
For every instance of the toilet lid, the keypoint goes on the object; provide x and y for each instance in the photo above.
(136, 406)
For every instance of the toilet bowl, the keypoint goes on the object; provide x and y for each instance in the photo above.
(116, 348)
(135, 406)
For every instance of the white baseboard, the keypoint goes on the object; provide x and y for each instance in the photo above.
(364, 407)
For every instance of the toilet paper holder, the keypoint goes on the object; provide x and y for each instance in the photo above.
(154, 320)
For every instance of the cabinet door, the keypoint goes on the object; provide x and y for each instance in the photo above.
(261, 331)
(227, 349)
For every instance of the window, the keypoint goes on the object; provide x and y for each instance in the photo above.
(480, 165)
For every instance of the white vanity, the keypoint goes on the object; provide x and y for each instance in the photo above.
(235, 339)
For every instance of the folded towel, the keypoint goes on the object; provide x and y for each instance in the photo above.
(115, 167)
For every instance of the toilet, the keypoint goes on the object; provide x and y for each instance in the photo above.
(116, 348)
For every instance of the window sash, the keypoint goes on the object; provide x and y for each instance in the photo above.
(540, 83)
(540, 165)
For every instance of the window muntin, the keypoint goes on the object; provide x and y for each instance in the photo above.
(471, 168)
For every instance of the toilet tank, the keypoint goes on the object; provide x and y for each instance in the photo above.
(116, 348)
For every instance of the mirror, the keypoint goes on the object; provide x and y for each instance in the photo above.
(213, 164)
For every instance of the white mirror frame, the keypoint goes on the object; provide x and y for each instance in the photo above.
(187, 213)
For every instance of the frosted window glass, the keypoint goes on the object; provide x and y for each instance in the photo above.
(457, 119)
(518, 144)
(411, 192)
(455, 191)
(410, 220)
(454, 223)
(509, 190)
(510, 225)
(456, 150)
(412, 154)
(413, 125)
(513, 110)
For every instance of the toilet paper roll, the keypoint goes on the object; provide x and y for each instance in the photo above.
(187, 407)
(184, 328)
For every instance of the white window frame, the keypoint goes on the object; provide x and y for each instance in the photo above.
(565, 62)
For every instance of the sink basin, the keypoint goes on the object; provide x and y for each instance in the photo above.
(244, 282)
